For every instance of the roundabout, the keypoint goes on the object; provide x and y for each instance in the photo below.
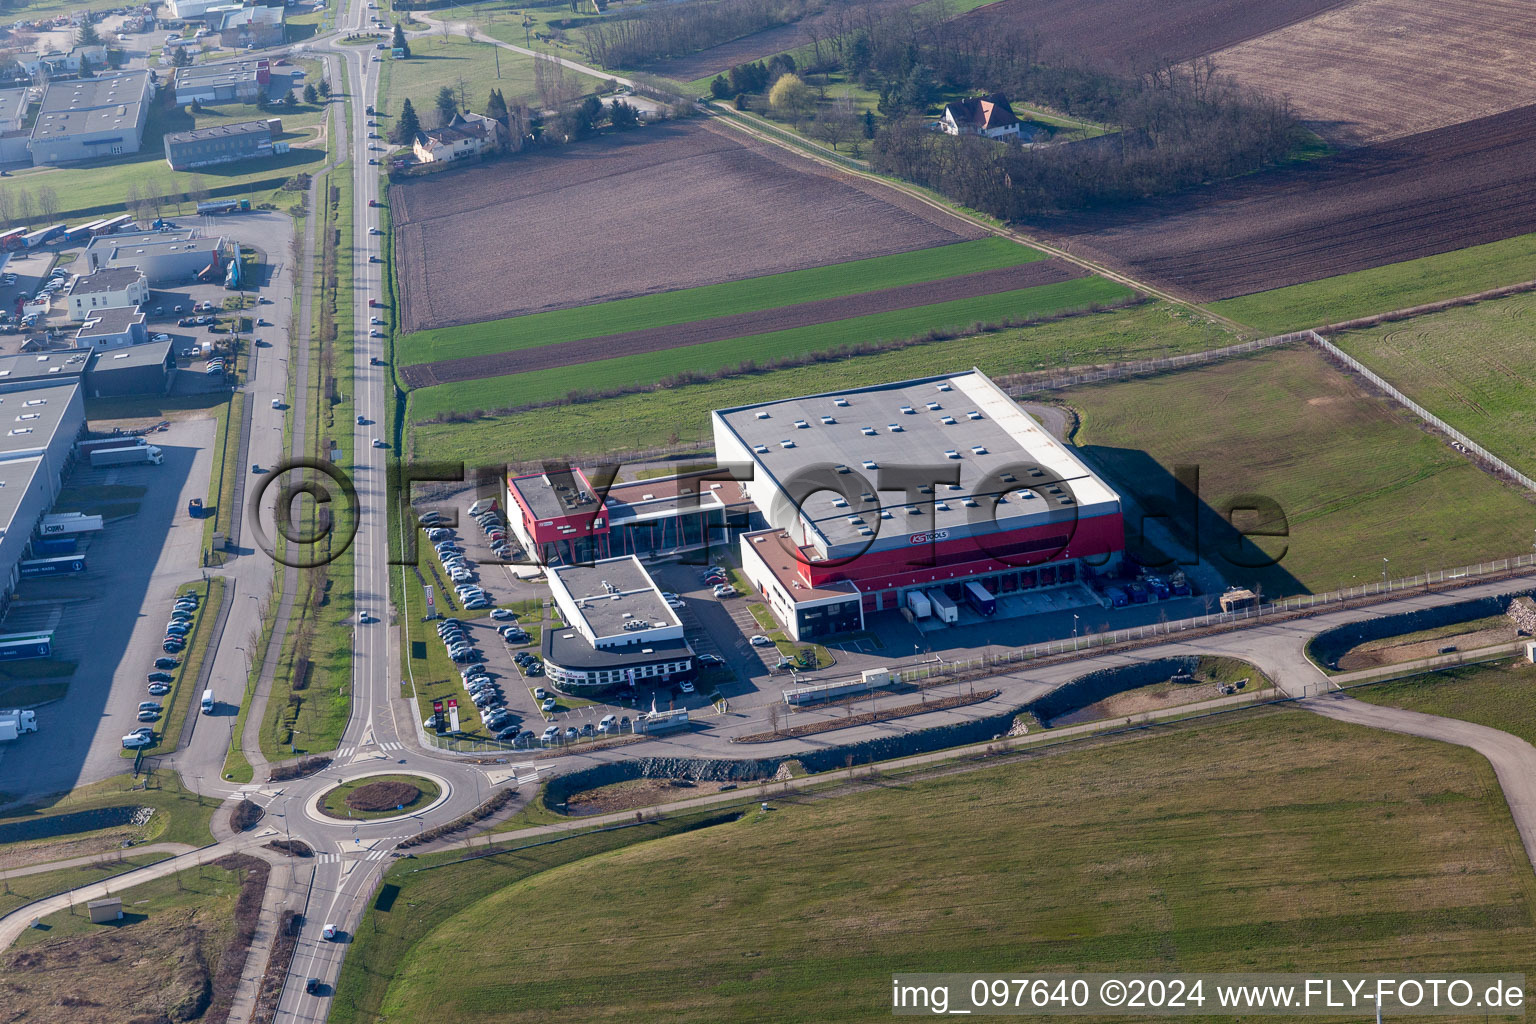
(378, 798)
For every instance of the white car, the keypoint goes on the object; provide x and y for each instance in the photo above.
(675, 603)
(375, 320)
(364, 618)
(134, 741)
(685, 686)
(161, 337)
(375, 333)
(758, 640)
(330, 932)
(378, 443)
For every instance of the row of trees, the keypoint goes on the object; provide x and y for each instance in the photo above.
(146, 200)
(22, 207)
(672, 29)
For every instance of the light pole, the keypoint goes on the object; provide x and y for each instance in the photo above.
(1384, 571)
(1074, 630)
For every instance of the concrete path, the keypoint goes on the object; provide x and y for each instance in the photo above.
(175, 849)
(276, 898)
(1513, 759)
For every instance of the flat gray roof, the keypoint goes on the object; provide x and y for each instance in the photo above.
(222, 131)
(221, 73)
(13, 104)
(570, 649)
(961, 423)
(29, 366)
(610, 593)
(566, 492)
(153, 353)
(15, 481)
(30, 419)
(110, 320)
(124, 255)
(111, 279)
(101, 104)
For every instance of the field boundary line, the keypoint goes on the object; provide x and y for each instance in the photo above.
(912, 192)
(1021, 384)
(1424, 414)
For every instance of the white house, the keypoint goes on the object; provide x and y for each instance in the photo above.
(116, 327)
(107, 289)
(466, 135)
(989, 116)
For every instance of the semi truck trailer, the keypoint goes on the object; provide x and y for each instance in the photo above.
(943, 607)
(127, 456)
(31, 568)
(86, 447)
(14, 723)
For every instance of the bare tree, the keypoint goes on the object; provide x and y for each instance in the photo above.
(154, 194)
(773, 717)
(197, 189)
(47, 202)
(7, 206)
(24, 207)
(131, 200)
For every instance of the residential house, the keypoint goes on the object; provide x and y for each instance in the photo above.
(466, 135)
(988, 116)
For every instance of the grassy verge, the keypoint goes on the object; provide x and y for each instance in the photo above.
(1382, 289)
(1344, 478)
(437, 60)
(732, 297)
(682, 413)
(1117, 881)
(180, 816)
(394, 925)
(335, 801)
(184, 690)
(1501, 695)
(1472, 366)
(24, 889)
(762, 349)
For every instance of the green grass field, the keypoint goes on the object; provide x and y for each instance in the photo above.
(103, 186)
(653, 418)
(1382, 289)
(689, 304)
(1355, 476)
(625, 371)
(1501, 695)
(454, 61)
(180, 817)
(1276, 842)
(1472, 366)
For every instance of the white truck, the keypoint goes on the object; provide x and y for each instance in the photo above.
(127, 456)
(14, 723)
(920, 605)
(943, 608)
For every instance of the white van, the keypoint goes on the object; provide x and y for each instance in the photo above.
(208, 702)
(483, 505)
(610, 723)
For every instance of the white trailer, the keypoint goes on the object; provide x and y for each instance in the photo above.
(14, 723)
(61, 523)
(945, 609)
(144, 453)
(920, 605)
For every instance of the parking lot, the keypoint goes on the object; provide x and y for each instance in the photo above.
(110, 619)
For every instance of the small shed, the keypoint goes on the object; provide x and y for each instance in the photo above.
(1237, 599)
(105, 911)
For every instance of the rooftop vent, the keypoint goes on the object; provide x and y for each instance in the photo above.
(942, 385)
(801, 424)
(841, 403)
(841, 468)
(761, 449)
(885, 513)
(868, 431)
(948, 421)
(1026, 494)
(908, 410)
(951, 454)
(871, 464)
(1008, 478)
(942, 506)
(894, 428)
(969, 503)
(978, 449)
(1065, 499)
(762, 414)
(912, 510)
(973, 415)
(867, 496)
(829, 419)
(786, 443)
(839, 502)
(933, 406)
(865, 531)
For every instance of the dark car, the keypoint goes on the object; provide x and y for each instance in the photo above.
(313, 986)
(167, 662)
(172, 646)
(161, 677)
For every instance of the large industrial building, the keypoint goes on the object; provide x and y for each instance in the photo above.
(621, 631)
(87, 118)
(164, 257)
(14, 136)
(233, 81)
(38, 428)
(223, 143)
(919, 495)
(145, 369)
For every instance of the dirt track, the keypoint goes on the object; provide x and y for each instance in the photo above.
(675, 205)
(1131, 34)
(1442, 190)
(805, 314)
(1381, 69)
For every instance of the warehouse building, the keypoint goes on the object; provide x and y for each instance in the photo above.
(166, 261)
(38, 429)
(235, 81)
(148, 369)
(621, 632)
(107, 289)
(115, 327)
(941, 488)
(224, 143)
(88, 118)
(14, 136)
(247, 26)
(100, 250)
(26, 371)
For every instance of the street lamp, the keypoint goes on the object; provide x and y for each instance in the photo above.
(1074, 630)
(1384, 570)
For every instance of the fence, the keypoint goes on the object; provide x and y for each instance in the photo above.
(1288, 606)
(758, 124)
(1421, 412)
(1018, 385)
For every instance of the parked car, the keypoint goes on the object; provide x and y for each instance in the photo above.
(710, 659)
(758, 640)
(685, 686)
(161, 677)
(548, 705)
(148, 715)
(158, 689)
(135, 741)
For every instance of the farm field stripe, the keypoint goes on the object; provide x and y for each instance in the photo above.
(744, 296)
(1446, 275)
(525, 388)
(767, 321)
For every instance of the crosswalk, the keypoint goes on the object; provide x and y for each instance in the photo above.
(343, 753)
(355, 855)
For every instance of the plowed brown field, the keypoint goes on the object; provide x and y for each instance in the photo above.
(1381, 69)
(670, 206)
(1442, 190)
(740, 325)
(1129, 34)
